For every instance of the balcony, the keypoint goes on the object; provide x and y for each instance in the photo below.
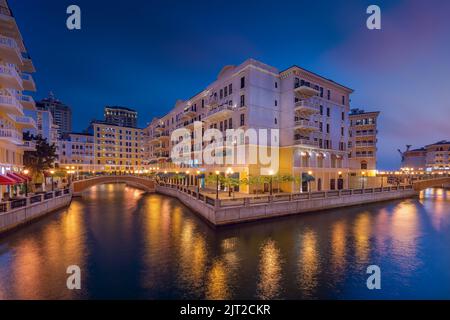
(305, 90)
(28, 146)
(212, 102)
(12, 136)
(10, 105)
(306, 125)
(306, 107)
(25, 122)
(306, 142)
(27, 63)
(9, 78)
(28, 82)
(218, 113)
(191, 125)
(26, 101)
(159, 128)
(188, 114)
(365, 144)
(9, 51)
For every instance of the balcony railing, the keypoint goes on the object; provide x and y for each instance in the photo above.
(28, 121)
(5, 11)
(12, 72)
(11, 134)
(365, 144)
(216, 112)
(8, 42)
(306, 142)
(306, 125)
(11, 103)
(305, 106)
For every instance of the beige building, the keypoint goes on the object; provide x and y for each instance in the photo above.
(310, 112)
(116, 148)
(363, 140)
(15, 79)
(434, 157)
(77, 150)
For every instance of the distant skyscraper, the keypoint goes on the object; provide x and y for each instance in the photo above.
(121, 116)
(62, 114)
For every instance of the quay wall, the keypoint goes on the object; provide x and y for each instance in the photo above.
(20, 216)
(271, 207)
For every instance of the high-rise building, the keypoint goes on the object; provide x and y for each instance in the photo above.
(121, 116)
(117, 148)
(15, 79)
(363, 140)
(309, 110)
(61, 113)
(44, 124)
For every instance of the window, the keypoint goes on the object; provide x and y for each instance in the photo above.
(230, 88)
(221, 93)
(328, 94)
(242, 101)
(321, 110)
(276, 84)
(276, 103)
(225, 90)
(242, 119)
(343, 116)
(321, 92)
(342, 131)
(328, 112)
(328, 128)
(343, 100)
(230, 123)
(321, 126)
(276, 121)
(242, 82)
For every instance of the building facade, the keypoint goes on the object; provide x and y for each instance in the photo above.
(77, 150)
(44, 125)
(61, 113)
(117, 148)
(310, 113)
(121, 116)
(434, 157)
(15, 80)
(363, 140)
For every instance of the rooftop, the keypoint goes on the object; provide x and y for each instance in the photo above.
(120, 108)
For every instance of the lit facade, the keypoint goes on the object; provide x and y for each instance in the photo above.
(363, 140)
(310, 112)
(15, 79)
(61, 113)
(432, 158)
(121, 116)
(116, 148)
(44, 125)
(77, 150)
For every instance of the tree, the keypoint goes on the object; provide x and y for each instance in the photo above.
(40, 159)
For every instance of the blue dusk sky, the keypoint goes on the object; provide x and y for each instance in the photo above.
(147, 54)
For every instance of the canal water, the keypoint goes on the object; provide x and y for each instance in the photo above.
(146, 246)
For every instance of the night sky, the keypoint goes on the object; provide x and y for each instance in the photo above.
(147, 54)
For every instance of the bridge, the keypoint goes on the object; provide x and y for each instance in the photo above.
(430, 183)
(144, 183)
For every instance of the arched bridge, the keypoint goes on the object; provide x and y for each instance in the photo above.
(139, 182)
(429, 183)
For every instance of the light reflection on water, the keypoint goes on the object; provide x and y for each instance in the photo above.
(132, 245)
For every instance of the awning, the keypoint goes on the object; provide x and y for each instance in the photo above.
(15, 177)
(23, 176)
(6, 181)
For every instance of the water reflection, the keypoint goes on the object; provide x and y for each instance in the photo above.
(270, 271)
(132, 245)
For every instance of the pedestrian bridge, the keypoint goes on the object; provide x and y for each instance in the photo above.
(430, 183)
(144, 183)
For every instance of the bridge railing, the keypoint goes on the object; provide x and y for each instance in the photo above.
(281, 197)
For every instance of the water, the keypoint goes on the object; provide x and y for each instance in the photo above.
(132, 245)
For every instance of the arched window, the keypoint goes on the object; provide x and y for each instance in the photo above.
(363, 165)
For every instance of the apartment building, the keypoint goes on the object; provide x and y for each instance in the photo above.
(44, 125)
(363, 140)
(434, 157)
(117, 148)
(15, 80)
(121, 116)
(61, 113)
(310, 112)
(77, 150)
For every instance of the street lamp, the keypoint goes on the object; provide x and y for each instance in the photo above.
(197, 182)
(229, 172)
(217, 184)
(309, 180)
(363, 178)
(270, 182)
(52, 172)
(187, 178)
(26, 182)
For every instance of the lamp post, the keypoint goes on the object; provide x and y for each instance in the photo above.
(187, 178)
(363, 178)
(229, 172)
(197, 182)
(52, 172)
(26, 182)
(217, 184)
(270, 182)
(309, 181)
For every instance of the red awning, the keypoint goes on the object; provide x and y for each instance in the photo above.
(23, 176)
(6, 181)
(16, 178)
